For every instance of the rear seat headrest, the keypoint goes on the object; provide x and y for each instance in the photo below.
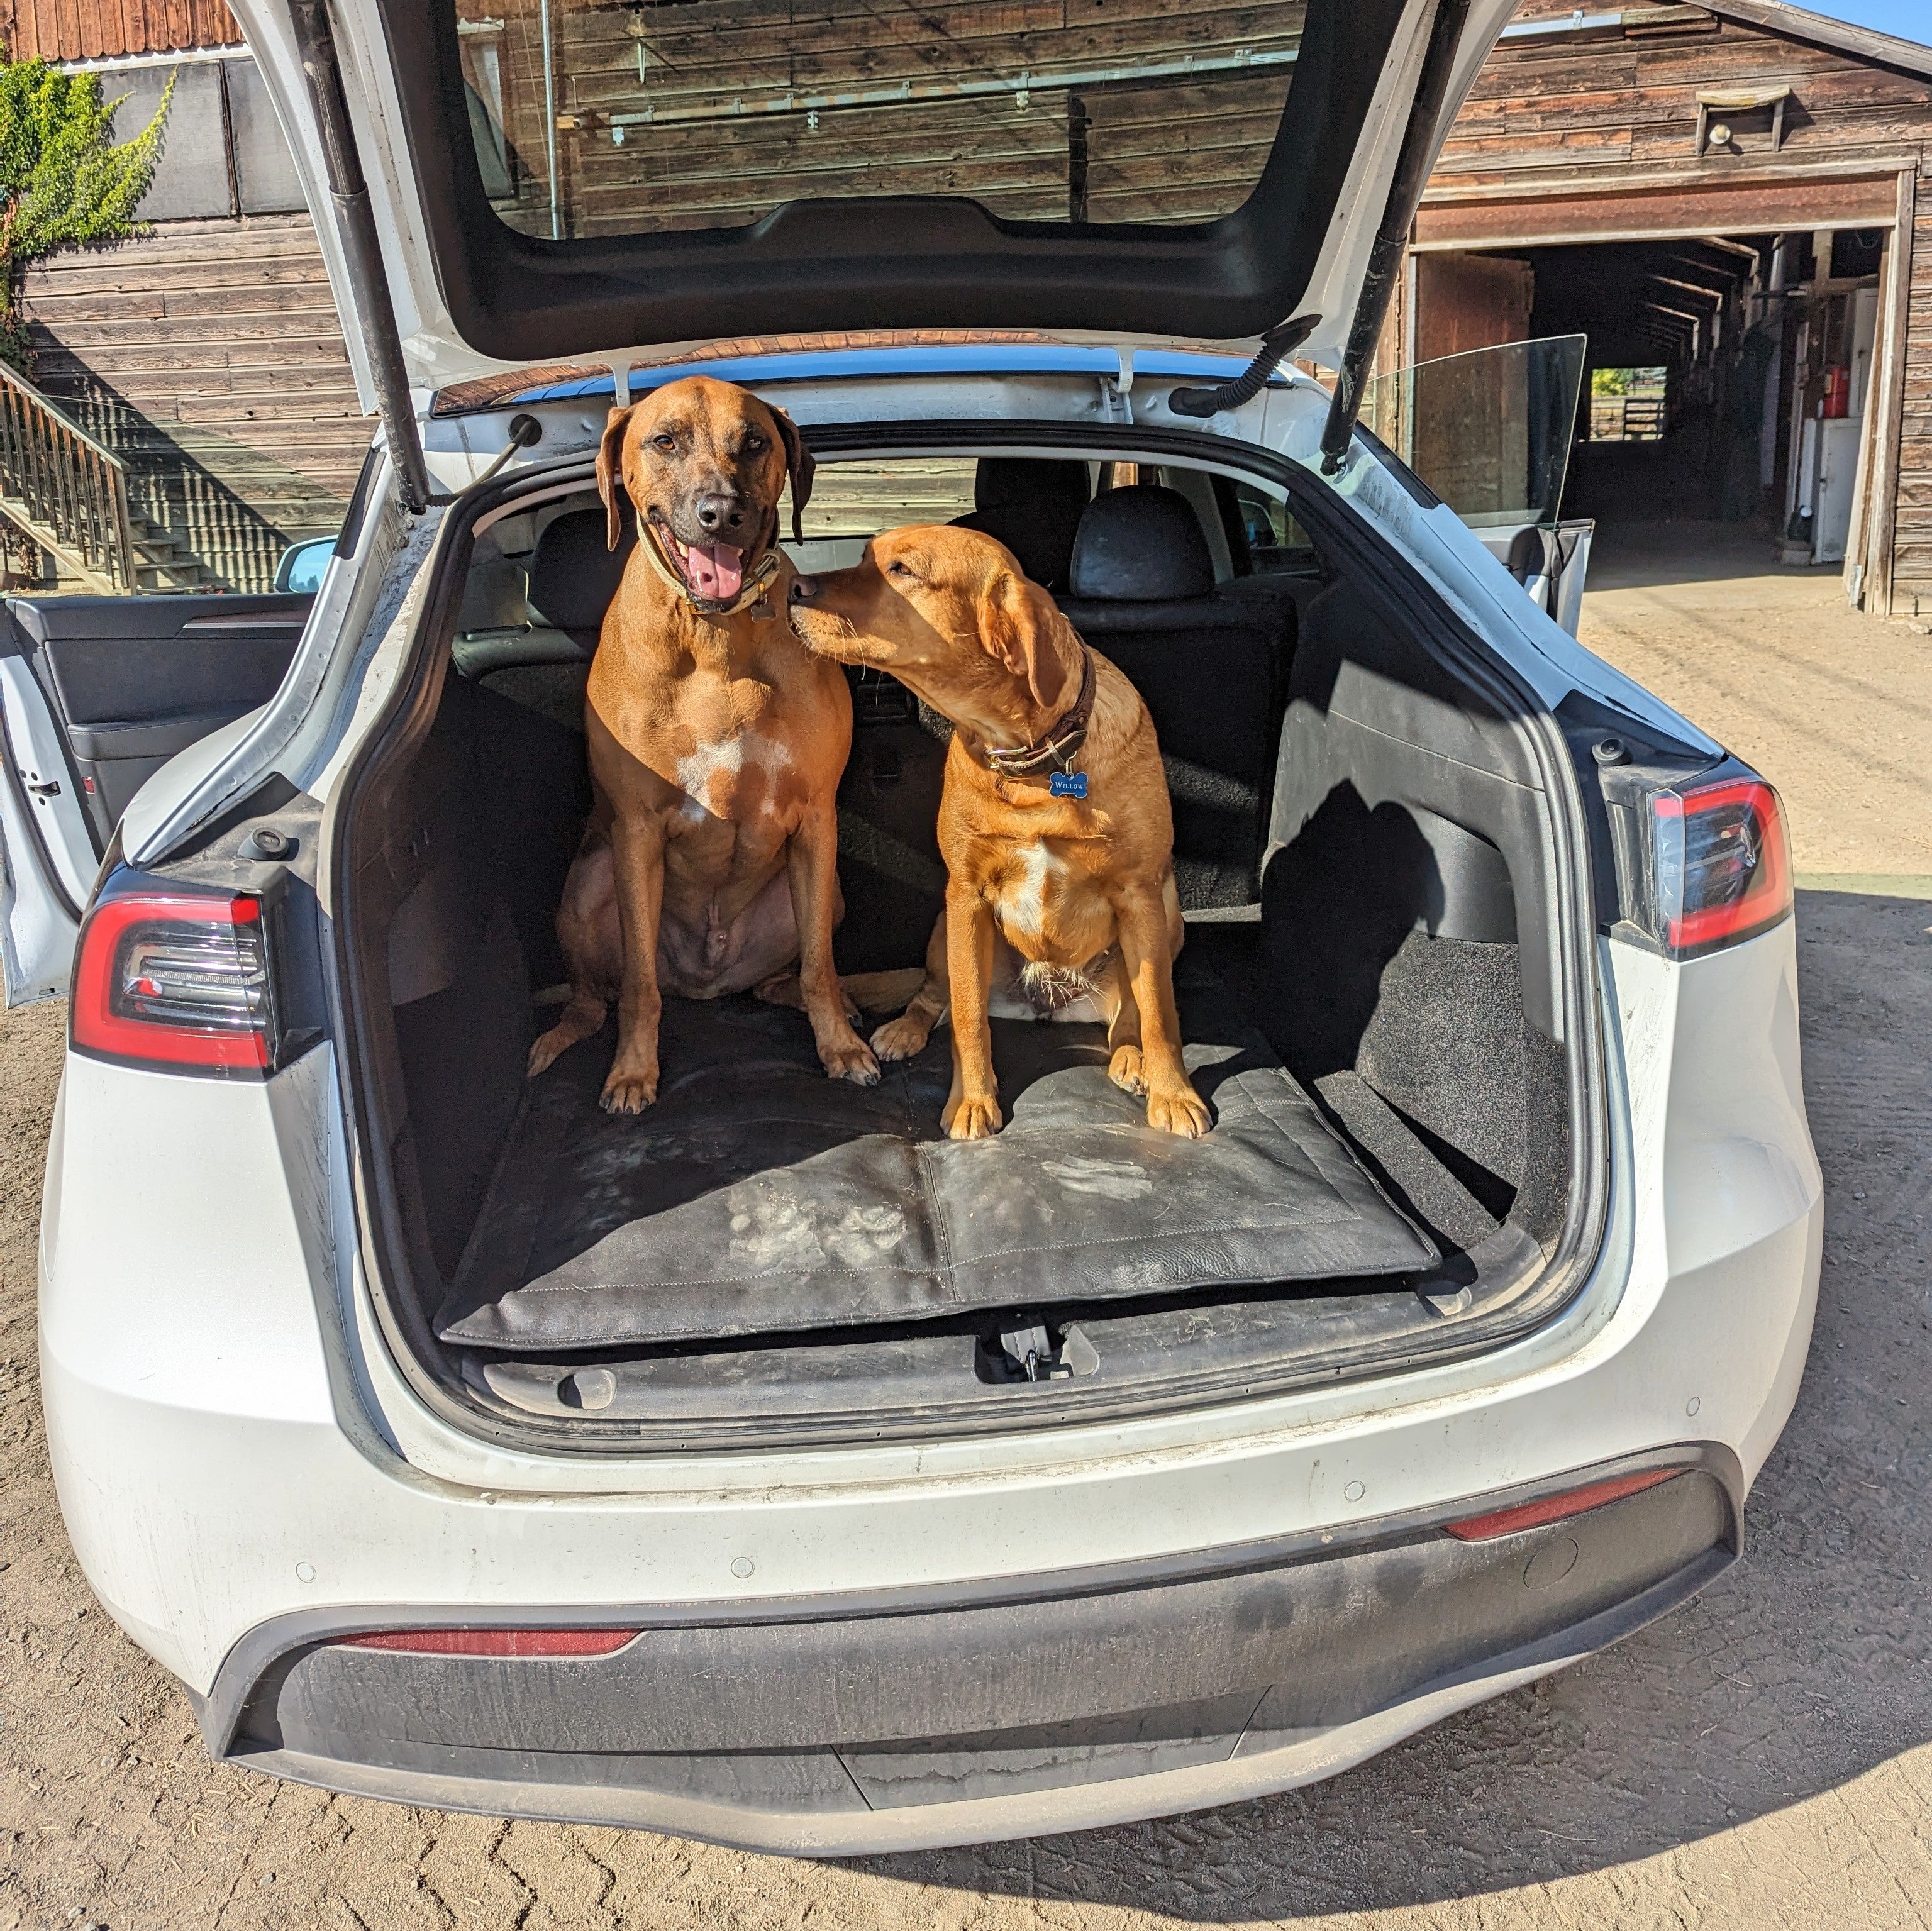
(573, 577)
(1029, 482)
(1032, 505)
(1142, 545)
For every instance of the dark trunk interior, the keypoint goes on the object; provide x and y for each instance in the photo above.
(1360, 844)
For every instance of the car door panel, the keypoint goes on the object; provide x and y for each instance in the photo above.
(1551, 561)
(96, 694)
(37, 921)
(131, 680)
(43, 774)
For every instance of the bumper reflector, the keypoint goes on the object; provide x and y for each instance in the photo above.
(494, 1642)
(1555, 1508)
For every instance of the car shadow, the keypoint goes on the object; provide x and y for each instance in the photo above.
(1798, 1670)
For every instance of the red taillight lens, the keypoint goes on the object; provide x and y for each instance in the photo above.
(175, 978)
(1723, 867)
(494, 1642)
(1556, 1508)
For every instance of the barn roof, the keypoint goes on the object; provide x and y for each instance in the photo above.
(86, 30)
(1800, 23)
(1534, 20)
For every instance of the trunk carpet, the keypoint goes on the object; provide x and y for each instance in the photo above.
(758, 1196)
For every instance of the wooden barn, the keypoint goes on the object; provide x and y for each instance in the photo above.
(1726, 198)
(206, 358)
(1722, 197)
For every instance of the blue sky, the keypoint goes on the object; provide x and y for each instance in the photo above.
(1910, 19)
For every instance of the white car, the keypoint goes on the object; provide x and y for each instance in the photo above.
(454, 1442)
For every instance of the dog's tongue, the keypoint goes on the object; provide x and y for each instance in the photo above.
(715, 571)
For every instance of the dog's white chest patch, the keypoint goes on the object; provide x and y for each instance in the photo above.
(1023, 891)
(712, 777)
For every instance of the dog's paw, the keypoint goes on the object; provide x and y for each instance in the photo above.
(851, 1060)
(1183, 1113)
(546, 1052)
(973, 1119)
(1125, 1070)
(904, 1038)
(629, 1093)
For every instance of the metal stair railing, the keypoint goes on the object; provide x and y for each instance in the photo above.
(65, 490)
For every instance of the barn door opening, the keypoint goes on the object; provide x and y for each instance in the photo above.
(1729, 380)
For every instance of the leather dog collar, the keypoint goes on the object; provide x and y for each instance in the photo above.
(1061, 745)
(752, 591)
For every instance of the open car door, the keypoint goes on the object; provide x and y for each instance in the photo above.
(1490, 432)
(96, 694)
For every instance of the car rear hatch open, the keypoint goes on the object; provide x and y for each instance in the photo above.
(553, 180)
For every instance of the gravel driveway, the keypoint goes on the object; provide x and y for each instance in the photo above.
(1759, 1759)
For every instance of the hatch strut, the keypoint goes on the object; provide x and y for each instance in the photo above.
(1411, 176)
(355, 222)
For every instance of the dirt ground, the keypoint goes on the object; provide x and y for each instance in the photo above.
(1762, 1758)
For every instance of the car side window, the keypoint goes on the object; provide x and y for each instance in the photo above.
(1277, 545)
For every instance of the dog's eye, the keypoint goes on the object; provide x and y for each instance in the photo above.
(666, 442)
(754, 444)
(897, 569)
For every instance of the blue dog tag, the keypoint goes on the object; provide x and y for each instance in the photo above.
(1067, 784)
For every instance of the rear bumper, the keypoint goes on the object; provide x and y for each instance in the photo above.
(1093, 1698)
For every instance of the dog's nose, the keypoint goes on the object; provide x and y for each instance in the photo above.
(722, 515)
(804, 589)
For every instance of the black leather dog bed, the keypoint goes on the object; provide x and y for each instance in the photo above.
(758, 1196)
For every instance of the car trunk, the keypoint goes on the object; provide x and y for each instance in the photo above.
(1373, 989)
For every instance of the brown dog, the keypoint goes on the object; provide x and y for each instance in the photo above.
(1067, 898)
(709, 866)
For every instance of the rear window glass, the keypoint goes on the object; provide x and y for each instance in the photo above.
(595, 119)
(860, 499)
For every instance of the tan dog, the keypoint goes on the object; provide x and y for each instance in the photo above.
(1067, 898)
(708, 864)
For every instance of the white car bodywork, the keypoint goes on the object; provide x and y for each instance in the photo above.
(242, 1459)
(234, 1444)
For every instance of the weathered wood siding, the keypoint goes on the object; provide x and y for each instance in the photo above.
(222, 337)
(1116, 147)
(1611, 118)
(58, 30)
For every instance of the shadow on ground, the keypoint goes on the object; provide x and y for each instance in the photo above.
(1634, 556)
(1803, 1668)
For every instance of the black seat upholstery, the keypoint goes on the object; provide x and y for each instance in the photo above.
(1033, 504)
(574, 576)
(544, 665)
(1141, 545)
(1210, 664)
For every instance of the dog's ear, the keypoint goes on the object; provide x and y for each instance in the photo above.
(799, 466)
(1023, 627)
(610, 475)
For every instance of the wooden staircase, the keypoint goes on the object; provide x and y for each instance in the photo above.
(75, 497)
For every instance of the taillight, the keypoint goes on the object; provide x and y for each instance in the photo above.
(1556, 1508)
(168, 977)
(1703, 862)
(1723, 867)
(494, 1642)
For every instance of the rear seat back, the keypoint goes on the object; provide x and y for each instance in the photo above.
(1210, 664)
(544, 663)
(574, 574)
(1033, 504)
